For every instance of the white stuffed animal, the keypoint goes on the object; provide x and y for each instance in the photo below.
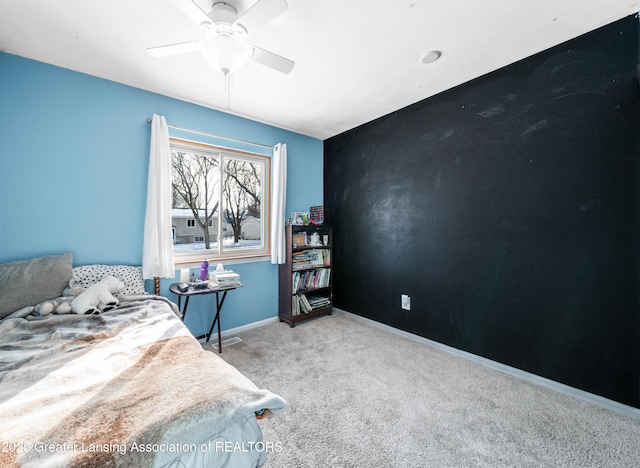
(98, 297)
(61, 305)
(72, 290)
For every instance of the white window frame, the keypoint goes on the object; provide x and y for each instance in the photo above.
(239, 253)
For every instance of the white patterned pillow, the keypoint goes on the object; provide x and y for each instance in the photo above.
(131, 276)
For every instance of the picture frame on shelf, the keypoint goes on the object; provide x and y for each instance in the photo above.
(315, 257)
(316, 214)
(297, 218)
(299, 239)
(326, 258)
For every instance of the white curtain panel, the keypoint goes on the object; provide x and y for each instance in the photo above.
(278, 203)
(157, 252)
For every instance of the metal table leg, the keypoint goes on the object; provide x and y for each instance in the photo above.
(219, 303)
(184, 309)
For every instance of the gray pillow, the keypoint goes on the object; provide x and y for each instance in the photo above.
(30, 282)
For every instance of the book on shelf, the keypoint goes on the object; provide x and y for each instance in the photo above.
(317, 302)
(299, 304)
(302, 304)
(213, 285)
(311, 279)
(301, 260)
(309, 259)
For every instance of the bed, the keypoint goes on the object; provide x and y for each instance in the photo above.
(128, 387)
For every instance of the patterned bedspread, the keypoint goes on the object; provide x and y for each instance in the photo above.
(130, 387)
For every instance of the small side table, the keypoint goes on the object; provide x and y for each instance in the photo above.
(197, 292)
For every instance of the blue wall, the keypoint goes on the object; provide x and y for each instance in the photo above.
(74, 153)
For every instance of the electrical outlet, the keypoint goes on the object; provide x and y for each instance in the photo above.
(406, 302)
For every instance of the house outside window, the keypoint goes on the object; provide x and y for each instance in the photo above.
(222, 195)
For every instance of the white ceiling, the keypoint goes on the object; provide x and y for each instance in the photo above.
(356, 60)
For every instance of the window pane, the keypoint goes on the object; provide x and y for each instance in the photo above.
(243, 207)
(220, 198)
(196, 200)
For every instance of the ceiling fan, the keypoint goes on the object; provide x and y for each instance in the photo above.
(225, 32)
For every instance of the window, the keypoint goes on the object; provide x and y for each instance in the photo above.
(223, 195)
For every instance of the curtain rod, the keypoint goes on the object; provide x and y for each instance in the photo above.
(149, 120)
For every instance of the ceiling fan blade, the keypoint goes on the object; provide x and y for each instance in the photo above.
(261, 13)
(193, 11)
(175, 49)
(271, 60)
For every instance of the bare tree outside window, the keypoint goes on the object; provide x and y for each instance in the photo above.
(195, 181)
(219, 197)
(241, 193)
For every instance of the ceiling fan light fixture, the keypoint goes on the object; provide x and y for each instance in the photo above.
(224, 48)
(224, 54)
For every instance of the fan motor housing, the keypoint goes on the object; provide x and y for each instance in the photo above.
(224, 16)
(223, 12)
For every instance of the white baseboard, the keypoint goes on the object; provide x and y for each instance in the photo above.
(614, 406)
(249, 326)
(232, 331)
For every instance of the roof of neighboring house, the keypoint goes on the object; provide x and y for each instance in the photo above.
(250, 219)
(187, 213)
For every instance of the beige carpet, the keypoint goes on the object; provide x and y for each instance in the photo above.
(361, 396)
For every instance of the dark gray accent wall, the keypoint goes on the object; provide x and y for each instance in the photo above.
(507, 209)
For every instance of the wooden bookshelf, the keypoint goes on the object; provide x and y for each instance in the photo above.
(305, 279)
